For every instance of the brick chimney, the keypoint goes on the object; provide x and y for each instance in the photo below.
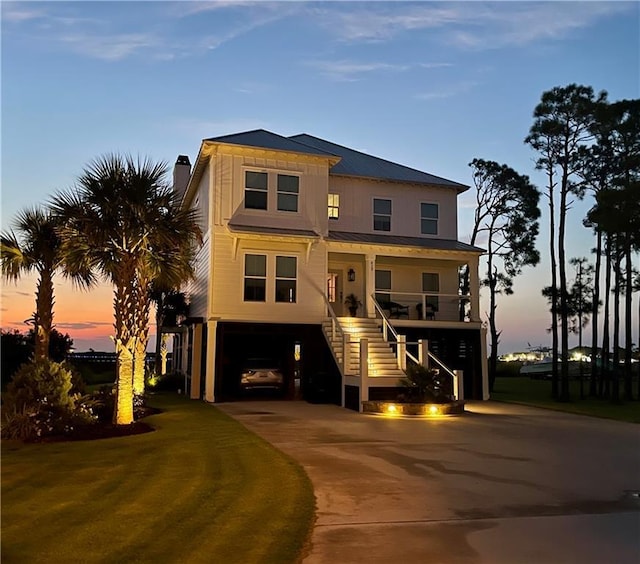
(181, 174)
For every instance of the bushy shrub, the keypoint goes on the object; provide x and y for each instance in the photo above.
(39, 401)
(424, 385)
(171, 382)
(103, 403)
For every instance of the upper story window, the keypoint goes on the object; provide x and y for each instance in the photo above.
(334, 206)
(288, 188)
(286, 279)
(381, 215)
(429, 219)
(255, 278)
(255, 190)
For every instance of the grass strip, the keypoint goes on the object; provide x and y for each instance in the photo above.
(537, 393)
(201, 488)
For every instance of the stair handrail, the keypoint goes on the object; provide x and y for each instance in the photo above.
(388, 327)
(335, 322)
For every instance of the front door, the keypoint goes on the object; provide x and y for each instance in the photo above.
(334, 291)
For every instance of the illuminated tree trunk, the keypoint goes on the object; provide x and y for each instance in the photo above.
(125, 316)
(43, 318)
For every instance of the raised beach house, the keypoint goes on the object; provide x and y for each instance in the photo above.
(294, 227)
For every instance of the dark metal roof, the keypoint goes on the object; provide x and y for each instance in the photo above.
(355, 163)
(272, 230)
(397, 240)
(263, 139)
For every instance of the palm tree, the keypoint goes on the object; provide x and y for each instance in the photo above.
(119, 220)
(167, 267)
(37, 248)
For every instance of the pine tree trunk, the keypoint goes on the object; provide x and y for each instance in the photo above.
(615, 384)
(554, 300)
(493, 360)
(564, 309)
(593, 389)
(628, 304)
(605, 380)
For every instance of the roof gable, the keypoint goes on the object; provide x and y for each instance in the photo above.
(264, 139)
(355, 163)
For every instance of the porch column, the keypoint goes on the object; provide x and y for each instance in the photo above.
(196, 365)
(474, 289)
(184, 351)
(210, 361)
(370, 283)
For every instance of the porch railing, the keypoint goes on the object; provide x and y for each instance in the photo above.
(431, 306)
(401, 344)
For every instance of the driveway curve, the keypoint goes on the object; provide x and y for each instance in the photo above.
(501, 484)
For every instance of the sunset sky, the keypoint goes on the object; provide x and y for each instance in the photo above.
(428, 85)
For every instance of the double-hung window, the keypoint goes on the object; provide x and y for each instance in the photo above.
(255, 190)
(429, 219)
(334, 206)
(381, 214)
(286, 279)
(255, 278)
(288, 189)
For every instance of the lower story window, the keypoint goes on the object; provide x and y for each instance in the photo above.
(255, 278)
(286, 279)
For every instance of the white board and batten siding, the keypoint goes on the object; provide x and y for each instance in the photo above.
(197, 289)
(227, 291)
(312, 199)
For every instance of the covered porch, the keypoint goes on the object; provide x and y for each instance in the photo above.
(416, 285)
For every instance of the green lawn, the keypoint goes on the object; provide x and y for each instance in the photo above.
(201, 488)
(538, 393)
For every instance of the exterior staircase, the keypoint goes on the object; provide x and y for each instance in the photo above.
(382, 359)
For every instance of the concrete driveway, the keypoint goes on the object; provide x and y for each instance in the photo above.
(501, 484)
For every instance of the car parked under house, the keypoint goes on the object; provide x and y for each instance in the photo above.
(294, 225)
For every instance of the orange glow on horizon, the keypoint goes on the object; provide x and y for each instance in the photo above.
(87, 316)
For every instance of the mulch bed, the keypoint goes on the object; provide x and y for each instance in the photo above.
(107, 430)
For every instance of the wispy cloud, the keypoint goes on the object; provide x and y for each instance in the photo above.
(17, 12)
(351, 71)
(82, 325)
(467, 25)
(447, 91)
(110, 47)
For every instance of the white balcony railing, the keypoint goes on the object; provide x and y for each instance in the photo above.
(426, 306)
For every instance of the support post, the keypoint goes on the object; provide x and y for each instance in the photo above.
(370, 284)
(364, 372)
(423, 352)
(196, 365)
(210, 367)
(346, 354)
(458, 385)
(401, 351)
